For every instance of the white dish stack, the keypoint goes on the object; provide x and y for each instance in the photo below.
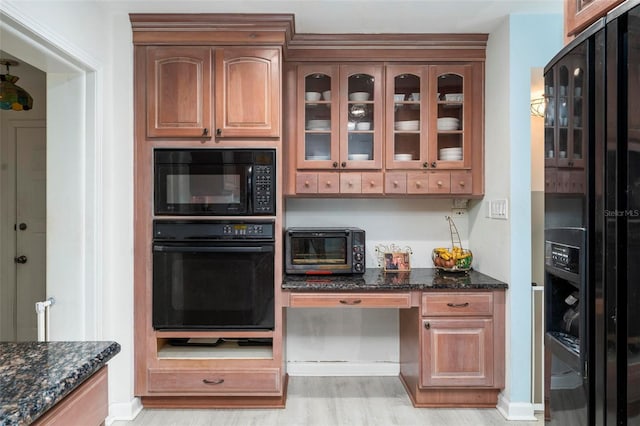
(403, 157)
(448, 123)
(450, 154)
(407, 126)
(319, 125)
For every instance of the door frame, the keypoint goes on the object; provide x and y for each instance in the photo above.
(74, 172)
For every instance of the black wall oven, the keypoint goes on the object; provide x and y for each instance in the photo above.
(213, 275)
(214, 182)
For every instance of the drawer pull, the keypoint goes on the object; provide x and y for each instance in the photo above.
(351, 302)
(458, 305)
(427, 325)
(213, 382)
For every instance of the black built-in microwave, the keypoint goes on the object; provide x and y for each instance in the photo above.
(214, 182)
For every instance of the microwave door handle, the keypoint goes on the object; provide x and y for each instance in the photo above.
(216, 249)
(250, 189)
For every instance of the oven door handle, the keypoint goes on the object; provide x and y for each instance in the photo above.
(216, 249)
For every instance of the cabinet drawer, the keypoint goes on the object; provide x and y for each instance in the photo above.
(417, 183)
(457, 304)
(345, 300)
(214, 381)
(395, 183)
(306, 183)
(328, 183)
(461, 183)
(440, 183)
(350, 183)
(372, 183)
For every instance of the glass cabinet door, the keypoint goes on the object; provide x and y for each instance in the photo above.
(317, 131)
(361, 116)
(562, 116)
(550, 143)
(450, 142)
(406, 93)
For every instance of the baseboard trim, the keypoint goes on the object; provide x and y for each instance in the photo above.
(322, 368)
(517, 411)
(126, 411)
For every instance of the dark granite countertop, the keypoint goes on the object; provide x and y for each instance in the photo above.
(34, 376)
(375, 279)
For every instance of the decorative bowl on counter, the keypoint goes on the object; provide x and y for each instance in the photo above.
(454, 259)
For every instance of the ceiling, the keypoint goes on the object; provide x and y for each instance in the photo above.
(364, 16)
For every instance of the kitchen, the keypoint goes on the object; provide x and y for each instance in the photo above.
(420, 223)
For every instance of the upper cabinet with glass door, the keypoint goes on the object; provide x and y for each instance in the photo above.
(341, 117)
(565, 112)
(406, 116)
(451, 134)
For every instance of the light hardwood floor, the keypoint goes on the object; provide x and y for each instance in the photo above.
(335, 401)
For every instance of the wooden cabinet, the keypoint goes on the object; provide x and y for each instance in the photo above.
(419, 125)
(579, 14)
(355, 300)
(248, 92)
(179, 96)
(86, 405)
(205, 81)
(452, 349)
(183, 89)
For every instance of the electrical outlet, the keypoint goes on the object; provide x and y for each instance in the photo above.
(458, 212)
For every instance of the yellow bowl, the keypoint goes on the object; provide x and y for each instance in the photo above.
(452, 260)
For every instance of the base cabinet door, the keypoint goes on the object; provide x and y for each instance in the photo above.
(457, 352)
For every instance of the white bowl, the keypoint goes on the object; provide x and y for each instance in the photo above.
(455, 150)
(363, 125)
(317, 157)
(398, 97)
(359, 96)
(359, 157)
(351, 125)
(450, 157)
(403, 157)
(326, 95)
(312, 96)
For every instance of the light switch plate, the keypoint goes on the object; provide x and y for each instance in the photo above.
(499, 209)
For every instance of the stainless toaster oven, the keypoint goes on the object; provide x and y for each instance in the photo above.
(324, 251)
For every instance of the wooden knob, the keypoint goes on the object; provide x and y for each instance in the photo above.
(461, 183)
(418, 184)
(372, 183)
(328, 183)
(439, 183)
(350, 183)
(395, 183)
(306, 183)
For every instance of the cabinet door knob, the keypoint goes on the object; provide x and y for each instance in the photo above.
(335, 164)
(434, 164)
(427, 325)
(425, 165)
(205, 132)
(218, 132)
(344, 164)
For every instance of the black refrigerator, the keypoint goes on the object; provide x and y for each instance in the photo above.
(592, 225)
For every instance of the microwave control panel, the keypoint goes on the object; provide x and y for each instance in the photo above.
(263, 189)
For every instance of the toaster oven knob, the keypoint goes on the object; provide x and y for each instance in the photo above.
(358, 267)
(358, 256)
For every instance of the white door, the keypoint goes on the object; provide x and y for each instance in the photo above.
(31, 232)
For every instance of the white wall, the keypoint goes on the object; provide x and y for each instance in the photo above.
(513, 49)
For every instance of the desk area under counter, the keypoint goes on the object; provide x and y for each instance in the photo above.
(451, 327)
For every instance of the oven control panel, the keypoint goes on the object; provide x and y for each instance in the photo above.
(212, 230)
